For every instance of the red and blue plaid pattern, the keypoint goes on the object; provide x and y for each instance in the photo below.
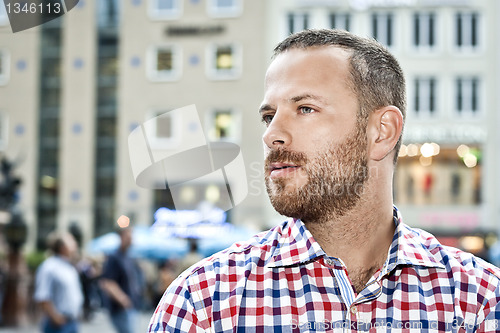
(282, 281)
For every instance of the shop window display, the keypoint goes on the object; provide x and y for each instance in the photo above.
(428, 174)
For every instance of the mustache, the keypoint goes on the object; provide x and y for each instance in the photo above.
(285, 156)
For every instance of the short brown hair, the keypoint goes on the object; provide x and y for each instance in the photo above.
(376, 76)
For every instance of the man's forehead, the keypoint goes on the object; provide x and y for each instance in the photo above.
(295, 55)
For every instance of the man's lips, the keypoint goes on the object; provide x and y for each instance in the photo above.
(282, 169)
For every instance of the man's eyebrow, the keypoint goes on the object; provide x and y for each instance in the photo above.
(295, 99)
(266, 107)
(299, 98)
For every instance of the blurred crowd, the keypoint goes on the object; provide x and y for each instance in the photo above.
(68, 287)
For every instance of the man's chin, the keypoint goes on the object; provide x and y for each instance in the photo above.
(285, 186)
(287, 204)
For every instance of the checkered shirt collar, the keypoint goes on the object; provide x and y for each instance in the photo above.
(297, 245)
(410, 247)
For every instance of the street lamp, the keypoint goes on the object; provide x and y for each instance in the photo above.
(16, 232)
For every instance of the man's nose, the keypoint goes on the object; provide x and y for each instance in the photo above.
(278, 133)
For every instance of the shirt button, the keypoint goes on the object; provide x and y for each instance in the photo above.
(354, 309)
(330, 262)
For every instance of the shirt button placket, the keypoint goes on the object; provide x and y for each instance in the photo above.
(353, 319)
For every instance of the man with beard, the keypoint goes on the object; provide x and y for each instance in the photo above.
(334, 108)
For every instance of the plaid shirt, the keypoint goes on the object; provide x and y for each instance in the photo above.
(282, 281)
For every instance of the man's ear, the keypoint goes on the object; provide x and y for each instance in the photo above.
(384, 129)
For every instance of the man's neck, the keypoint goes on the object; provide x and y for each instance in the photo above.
(361, 238)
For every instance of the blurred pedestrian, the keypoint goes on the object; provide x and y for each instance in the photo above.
(57, 287)
(89, 272)
(191, 258)
(167, 273)
(122, 281)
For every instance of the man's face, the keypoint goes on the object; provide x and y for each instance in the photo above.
(70, 246)
(316, 161)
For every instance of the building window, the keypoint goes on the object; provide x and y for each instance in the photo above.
(224, 8)
(107, 97)
(4, 19)
(49, 127)
(4, 127)
(107, 127)
(51, 68)
(425, 96)
(467, 30)
(108, 66)
(382, 28)
(467, 96)
(297, 22)
(223, 125)
(224, 62)
(4, 67)
(164, 63)
(51, 97)
(340, 21)
(424, 30)
(108, 13)
(165, 9)
(163, 129)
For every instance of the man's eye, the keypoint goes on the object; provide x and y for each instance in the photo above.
(266, 119)
(306, 109)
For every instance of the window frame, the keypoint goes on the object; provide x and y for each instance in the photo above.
(217, 12)
(224, 74)
(306, 20)
(151, 126)
(425, 113)
(210, 124)
(154, 74)
(170, 14)
(388, 16)
(425, 16)
(4, 130)
(469, 113)
(5, 67)
(346, 20)
(102, 18)
(469, 48)
(4, 17)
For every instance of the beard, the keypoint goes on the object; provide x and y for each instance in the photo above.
(335, 180)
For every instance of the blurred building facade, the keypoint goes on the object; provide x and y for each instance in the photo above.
(72, 90)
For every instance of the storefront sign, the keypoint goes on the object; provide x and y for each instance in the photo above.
(437, 3)
(459, 134)
(461, 220)
(366, 4)
(315, 3)
(195, 30)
